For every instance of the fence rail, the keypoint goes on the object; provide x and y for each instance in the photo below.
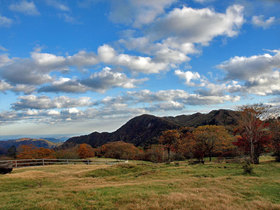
(42, 162)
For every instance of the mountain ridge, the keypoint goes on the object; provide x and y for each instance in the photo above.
(145, 129)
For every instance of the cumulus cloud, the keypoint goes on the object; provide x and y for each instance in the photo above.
(258, 74)
(146, 65)
(25, 72)
(45, 102)
(106, 79)
(179, 33)
(261, 22)
(5, 22)
(82, 58)
(97, 82)
(138, 12)
(25, 7)
(61, 109)
(4, 60)
(244, 68)
(198, 25)
(175, 98)
(64, 85)
(4, 86)
(188, 76)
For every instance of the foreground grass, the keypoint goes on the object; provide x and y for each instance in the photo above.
(140, 185)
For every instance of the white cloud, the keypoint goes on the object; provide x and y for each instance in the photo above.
(146, 65)
(4, 86)
(244, 68)
(179, 33)
(258, 74)
(179, 96)
(46, 59)
(45, 102)
(203, 1)
(5, 22)
(65, 85)
(138, 12)
(97, 82)
(58, 5)
(188, 76)
(25, 72)
(4, 60)
(107, 79)
(197, 25)
(82, 58)
(25, 7)
(261, 22)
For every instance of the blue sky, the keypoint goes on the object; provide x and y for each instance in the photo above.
(73, 67)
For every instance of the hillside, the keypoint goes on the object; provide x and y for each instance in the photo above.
(144, 130)
(5, 145)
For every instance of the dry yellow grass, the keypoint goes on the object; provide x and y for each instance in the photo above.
(141, 186)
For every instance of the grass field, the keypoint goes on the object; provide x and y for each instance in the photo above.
(142, 185)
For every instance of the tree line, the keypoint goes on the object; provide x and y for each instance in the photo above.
(256, 133)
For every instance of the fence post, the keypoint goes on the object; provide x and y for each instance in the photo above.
(67, 161)
(16, 163)
(88, 162)
(43, 162)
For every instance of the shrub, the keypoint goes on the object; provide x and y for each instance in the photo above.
(247, 167)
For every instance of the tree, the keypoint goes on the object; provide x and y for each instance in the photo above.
(168, 139)
(120, 150)
(85, 151)
(70, 152)
(253, 132)
(211, 139)
(155, 153)
(32, 152)
(275, 132)
(185, 144)
(12, 152)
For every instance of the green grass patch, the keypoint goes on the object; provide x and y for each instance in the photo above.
(142, 185)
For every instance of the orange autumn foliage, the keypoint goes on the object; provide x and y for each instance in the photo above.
(32, 152)
(85, 151)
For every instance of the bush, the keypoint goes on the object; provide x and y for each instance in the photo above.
(119, 150)
(156, 154)
(247, 167)
(68, 153)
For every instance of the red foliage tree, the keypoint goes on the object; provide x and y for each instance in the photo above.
(275, 132)
(254, 136)
(168, 139)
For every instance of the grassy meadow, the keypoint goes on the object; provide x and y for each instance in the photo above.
(142, 185)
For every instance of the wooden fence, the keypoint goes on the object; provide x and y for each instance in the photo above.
(42, 162)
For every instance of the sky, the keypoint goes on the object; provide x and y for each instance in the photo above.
(74, 67)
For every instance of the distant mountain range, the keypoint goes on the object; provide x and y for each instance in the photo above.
(144, 130)
(5, 145)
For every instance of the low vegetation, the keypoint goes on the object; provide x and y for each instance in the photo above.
(143, 185)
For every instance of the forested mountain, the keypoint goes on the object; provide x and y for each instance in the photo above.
(144, 130)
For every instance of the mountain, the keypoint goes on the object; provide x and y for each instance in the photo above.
(5, 145)
(215, 117)
(144, 130)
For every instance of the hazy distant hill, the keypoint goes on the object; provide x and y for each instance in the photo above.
(4, 145)
(145, 129)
